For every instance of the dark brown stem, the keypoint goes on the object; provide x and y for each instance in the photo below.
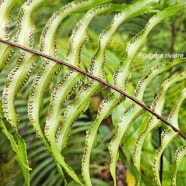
(98, 80)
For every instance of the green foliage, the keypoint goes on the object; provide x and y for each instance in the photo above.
(41, 96)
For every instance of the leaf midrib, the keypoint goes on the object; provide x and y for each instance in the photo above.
(100, 81)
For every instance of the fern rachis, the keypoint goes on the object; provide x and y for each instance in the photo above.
(59, 121)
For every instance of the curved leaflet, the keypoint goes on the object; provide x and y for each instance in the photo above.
(6, 51)
(153, 122)
(168, 135)
(179, 155)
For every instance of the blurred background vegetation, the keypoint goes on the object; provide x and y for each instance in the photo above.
(167, 37)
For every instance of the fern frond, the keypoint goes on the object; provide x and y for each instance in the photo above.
(57, 97)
